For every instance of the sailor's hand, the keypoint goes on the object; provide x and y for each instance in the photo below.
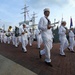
(48, 27)
(67, 31)
(23, 33)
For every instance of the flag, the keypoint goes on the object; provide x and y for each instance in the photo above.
(71, 23)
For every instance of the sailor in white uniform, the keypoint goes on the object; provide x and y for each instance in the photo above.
(62, 38)
(39, 39)
(19, 35)
(16, 36)
(13, 37)
(8, 34)
(71, 40)
(2, 36)
(24, 38)
(30, 37)
(46, 32)
(5, 37)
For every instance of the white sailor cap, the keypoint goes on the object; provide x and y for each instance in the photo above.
(46, 9)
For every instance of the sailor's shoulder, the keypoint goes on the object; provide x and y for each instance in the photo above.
(42, 18)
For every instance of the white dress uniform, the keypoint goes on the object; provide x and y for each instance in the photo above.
(19, 35)
(71, 40)
(8, 38)
(13, 38)
(16, 41)
(5, 38)
(24, 39)
(47, 38)
(16, 37)
(39, 38)
(63, 40)
(2, 36)
(30, 38)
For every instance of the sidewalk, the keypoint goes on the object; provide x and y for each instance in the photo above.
(8, 67)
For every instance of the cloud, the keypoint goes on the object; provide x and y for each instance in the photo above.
(72, 3)
(42, 3)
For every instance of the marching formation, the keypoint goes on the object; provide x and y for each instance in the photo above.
(21, 35)
(43, 35)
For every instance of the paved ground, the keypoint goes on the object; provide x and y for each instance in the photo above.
(8, 67)
(31, 61)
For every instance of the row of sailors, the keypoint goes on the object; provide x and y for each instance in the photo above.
(45, 26)
(22, 37)
(25, 34)
(63, 39)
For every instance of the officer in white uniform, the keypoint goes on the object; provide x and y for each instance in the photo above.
(62, 38)
(46, 32)
(24, 38)
(71, 40)
(39, 39)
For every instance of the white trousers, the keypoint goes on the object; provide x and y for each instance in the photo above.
(1, 39)
(63, 45)
(30, 41)
(39, 41)
(24, 44)
(13, 40)
(46, 50)
(16, 41)
(8, 40)
(72, 42)
(5, 39)
(19, 38)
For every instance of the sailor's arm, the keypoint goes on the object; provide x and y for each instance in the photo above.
(41, 25)
(61, 32)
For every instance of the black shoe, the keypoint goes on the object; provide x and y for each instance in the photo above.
(63, 55)
(72, 51)
(38, 48)
(49, 64)
(25, 51)
(30, 45)
(40, 55)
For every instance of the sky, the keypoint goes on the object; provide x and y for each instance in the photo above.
(10, 11)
